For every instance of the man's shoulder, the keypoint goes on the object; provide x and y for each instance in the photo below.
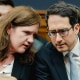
(47, 53)
(49, 46)
(47, 49)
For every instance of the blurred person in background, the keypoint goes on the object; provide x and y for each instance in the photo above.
(5, 6)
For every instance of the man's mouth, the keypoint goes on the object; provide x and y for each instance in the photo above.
(60, 45)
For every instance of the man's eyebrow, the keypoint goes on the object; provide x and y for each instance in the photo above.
(58, 29)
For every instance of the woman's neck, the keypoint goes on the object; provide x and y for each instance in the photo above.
(7, 60)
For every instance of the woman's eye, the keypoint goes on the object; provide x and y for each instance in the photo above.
(27, 33)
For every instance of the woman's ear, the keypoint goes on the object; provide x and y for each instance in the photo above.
(9, 27)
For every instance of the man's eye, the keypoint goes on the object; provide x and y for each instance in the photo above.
(63, 30)
(53, 32)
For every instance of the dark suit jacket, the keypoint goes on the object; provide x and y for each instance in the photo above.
(21, 71)
(49, 64)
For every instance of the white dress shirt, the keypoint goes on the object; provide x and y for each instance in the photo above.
(76, 57)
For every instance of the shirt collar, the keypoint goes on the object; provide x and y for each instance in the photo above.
(75, 50)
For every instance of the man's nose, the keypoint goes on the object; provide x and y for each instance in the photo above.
(58, 37)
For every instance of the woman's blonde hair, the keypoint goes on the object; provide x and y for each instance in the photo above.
(18, 16)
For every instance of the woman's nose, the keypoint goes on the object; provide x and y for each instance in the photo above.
(31, 39)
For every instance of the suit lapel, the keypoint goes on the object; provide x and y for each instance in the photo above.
(16, 71)
(58, 61)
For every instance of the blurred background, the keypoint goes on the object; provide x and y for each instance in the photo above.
(42, 4)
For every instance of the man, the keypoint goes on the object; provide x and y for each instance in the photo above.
(53, 62)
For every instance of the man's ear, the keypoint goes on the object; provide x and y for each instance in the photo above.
(9, 27)
(77, 28)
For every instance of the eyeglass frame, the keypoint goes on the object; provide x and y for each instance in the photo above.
(60, 32)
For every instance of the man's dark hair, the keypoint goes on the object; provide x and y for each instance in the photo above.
(7, 2)
(65, 10)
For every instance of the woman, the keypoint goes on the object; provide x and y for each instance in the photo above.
(17, 31)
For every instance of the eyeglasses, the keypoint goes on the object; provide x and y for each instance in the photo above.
(62, 32)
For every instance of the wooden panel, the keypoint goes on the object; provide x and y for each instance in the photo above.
(43, 27)
(43, 33)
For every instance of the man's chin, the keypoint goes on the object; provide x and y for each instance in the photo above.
(62, 50)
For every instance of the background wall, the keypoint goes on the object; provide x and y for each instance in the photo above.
(42, 4)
